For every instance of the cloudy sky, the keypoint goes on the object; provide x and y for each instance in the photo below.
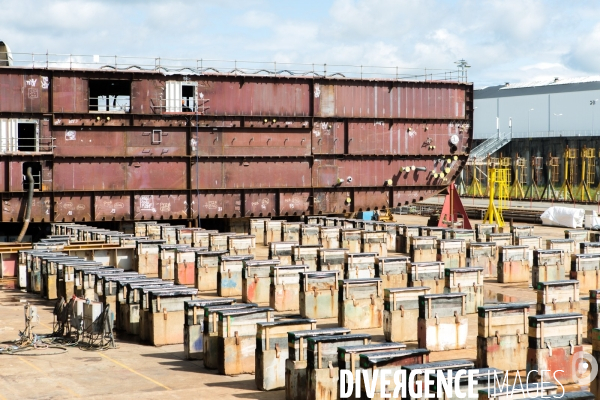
(503, 40)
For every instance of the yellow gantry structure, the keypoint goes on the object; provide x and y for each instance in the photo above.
(566, 190)
(588, 174)
(499, 180)
(520, 168)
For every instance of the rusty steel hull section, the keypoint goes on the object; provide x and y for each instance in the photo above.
(257, 146)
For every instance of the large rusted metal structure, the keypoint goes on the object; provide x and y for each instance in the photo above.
(118, 144)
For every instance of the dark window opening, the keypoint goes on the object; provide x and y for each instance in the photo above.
(36, 171)
(26, 139)
(110, 96)
(188, 98)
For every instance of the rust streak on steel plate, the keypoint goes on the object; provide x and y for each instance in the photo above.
(112, 208)
(254, 137)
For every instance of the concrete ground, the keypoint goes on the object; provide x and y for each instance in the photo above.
(139, 371)
(515, 204)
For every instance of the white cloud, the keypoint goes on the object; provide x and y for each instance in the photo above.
(503, 40)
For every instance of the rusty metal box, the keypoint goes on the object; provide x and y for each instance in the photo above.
(107, 288)
(168, 233)
(210, 332)
(482, 230)
(593, 322)
(468, 281)
(241, 244)
(393, 271)
(349, 356)
(468, 235)
(484, 255)
(586, 269)
(313, 219)
(322, 366)
(578, 235)
(331, 259)
(307, 255)
(443, 324)
(319, 294)
(284, 292)
(129, 309)
(521, 230)
(298, 341)
(401, 312)
(391, 360)
(423, 248)
(391, 229)
(351, 239)
(589, 248)
(558, 297)
(229, 277)
(207, 268)
(566, 245)
(533, 242)
(186, 235)
(236, 343)
(360, 303)
(146, 256)
(272, 351)
(507, 352)
(272, 232)
(257, 228)
(524, 391)
(153, 231)
(219, 241)
(359, 265)
(438, 233)
(502, 336)
(501, 239)
(329, 237)
(400, 245)
(429, 274)
(202, 238)
(290, 231)
(256, 280)
(513, 264)
(595, 384)
(403, 236)
(193, 325)
(166, 314)
(543, 362)
(369, 225)
(374, 242)
(548, 265)
(503, 319)
(309, 235)
(419, 370)
(282, 251)
(556, 330)
(452, 252)
(185, 266)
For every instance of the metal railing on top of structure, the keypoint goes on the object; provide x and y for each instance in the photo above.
(231, 67)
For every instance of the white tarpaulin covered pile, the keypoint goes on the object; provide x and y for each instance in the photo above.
(563, 216)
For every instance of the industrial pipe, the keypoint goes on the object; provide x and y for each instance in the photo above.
(28, 206)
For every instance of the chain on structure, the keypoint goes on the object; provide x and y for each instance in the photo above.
(588, 174)
(570, 169)
(520, 170)
(499, 179)
(533, 190)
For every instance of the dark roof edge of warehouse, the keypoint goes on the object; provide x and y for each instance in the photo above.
(492, 92)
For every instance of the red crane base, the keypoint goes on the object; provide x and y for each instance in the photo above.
(452, 209)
